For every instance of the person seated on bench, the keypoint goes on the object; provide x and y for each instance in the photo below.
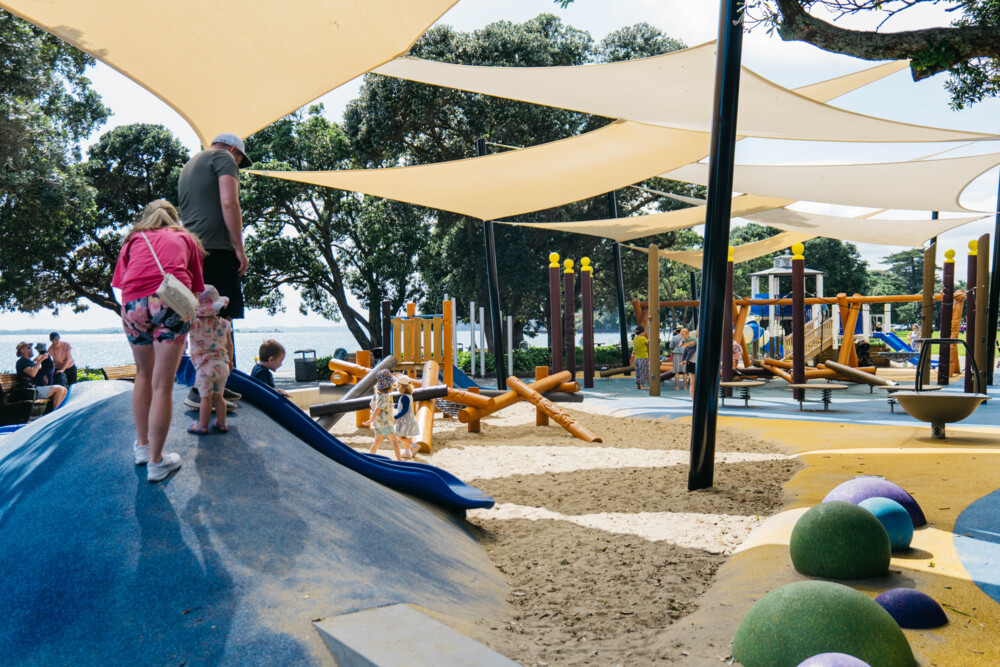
(28, 374)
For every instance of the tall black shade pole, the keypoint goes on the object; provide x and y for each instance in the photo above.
(493, 288)
(715, 257)
(994, 308)
(616, 258)
(693, 275)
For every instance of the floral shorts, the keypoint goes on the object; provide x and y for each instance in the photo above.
(148, 320)
(211, 376)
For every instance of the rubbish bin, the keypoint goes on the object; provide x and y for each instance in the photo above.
(305, 366)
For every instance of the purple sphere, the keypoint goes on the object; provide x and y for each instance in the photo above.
(912, 609)
(862, 488)
(833, 660)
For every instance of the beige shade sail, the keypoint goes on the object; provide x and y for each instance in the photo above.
(824, 91)
(741, 253)
(530, 179)
(920, 185)
(675, 90)
(236, 65)
(626, 229)
(909, 233)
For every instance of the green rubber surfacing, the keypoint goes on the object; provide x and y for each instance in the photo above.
(839, 540)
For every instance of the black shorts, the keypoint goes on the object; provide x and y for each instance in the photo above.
(222, 270)
(689, 368)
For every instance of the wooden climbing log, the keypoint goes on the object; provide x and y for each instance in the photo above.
(425, 413)
(568, 387)
(608, 372)
(357, 370)
(475, 400)
(544, 404)
(474, 425)
(362, 403)
(509, 398)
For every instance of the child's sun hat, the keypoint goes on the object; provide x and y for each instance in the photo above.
(210, 303)
(403, 379)
(384, 380)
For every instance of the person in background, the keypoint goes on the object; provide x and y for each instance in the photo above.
(48, 370)
(690, 347)
(155, 332)
(62, 356)
(269, 359)
(208, 191)
(29, 369)
(676, 354)
(406, 422)
(211, 350)
(737, 354)
(914, 335)
(640, 357)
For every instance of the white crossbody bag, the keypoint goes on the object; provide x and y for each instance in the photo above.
(173, 292)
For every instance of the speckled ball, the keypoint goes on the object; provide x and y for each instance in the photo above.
(805, 619)
(912, 609)
(867, 486)
(833, 660)
(838, 540)
(894, 518)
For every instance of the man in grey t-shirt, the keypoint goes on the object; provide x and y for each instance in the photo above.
(208, 202)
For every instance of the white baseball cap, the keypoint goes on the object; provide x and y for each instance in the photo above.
(231, 139)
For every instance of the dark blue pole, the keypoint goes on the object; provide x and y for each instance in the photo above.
(715, 257)
(994, 304)
(493, 289)
(616, 259)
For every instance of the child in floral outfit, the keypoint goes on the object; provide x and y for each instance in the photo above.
(382, 420)
(211, 350)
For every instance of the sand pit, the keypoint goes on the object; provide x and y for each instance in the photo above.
(602, 545)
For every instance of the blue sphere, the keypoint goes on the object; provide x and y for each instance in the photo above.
(894, 518)
(833, 660)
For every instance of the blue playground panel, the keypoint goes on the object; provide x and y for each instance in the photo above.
(977, 541)
(460, 379)
(897, 344)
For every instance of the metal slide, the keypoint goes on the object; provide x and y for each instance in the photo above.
(418, 479)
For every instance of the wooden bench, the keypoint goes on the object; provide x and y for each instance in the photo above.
(119, 373)
(826, 389)
(19, 406)
(744, 388)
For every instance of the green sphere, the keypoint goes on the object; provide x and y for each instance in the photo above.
(800, 620)
(838, 540)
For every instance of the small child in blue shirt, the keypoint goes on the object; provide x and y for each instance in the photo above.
(269, 358)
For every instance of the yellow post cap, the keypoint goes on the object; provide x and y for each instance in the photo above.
(554, 260)
(585, 265)
(949, 256)
(797, 250)
(731, 251)
(974, 247)
(569, 266)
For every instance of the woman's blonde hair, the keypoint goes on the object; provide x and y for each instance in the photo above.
(404, 388)
(158, 215)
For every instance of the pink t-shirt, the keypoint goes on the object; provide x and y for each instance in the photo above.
(137, 274)
(61, 356)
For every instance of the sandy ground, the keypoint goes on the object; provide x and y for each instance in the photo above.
(602, 545)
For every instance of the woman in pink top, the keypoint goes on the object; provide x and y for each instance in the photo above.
(155, 332)
(61, 355)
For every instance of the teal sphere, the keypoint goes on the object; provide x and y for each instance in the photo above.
(894, 518)
(838, 540)
(796, 622)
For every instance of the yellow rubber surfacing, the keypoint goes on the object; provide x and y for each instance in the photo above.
(944, 480)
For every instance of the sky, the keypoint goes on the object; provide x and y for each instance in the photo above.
(790, 64)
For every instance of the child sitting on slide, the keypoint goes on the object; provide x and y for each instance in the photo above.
(406, 422)
(269, 358)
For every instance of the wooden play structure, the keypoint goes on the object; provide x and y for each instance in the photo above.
(424, 346)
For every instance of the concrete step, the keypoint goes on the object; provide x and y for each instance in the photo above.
(401, 635)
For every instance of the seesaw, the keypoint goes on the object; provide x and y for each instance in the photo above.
(940, 408)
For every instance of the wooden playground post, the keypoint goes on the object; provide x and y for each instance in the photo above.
(425, 411)
(386, 328)
(474, 425)
(541, 403)
(511, 397)
(947, 304)
(569, 318)
(363, 358)
(727, 329)
(587, 291)
(972, 279)
(798, 318)
(927, 301)
(653, 317)
(982, 301)
(956, 325)
(447, 343)
(555, 313)
(541, 419)
(640, 314)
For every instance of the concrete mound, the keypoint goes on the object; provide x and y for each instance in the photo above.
(227, 562)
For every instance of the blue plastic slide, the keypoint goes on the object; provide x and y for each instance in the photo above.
(418, 479)
(895, 342)
(460, 379)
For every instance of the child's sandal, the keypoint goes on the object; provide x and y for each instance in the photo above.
(197, 429)
(214, 425)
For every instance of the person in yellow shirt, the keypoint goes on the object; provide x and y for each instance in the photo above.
(640, 357)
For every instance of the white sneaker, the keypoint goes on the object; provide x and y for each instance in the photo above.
(141, 453)
(168, 464)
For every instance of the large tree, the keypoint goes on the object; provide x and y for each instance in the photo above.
(969, 49)
(401, 122)
(327, 243)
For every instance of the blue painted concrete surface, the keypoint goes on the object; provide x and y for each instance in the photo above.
(977, 541)
(225, 563)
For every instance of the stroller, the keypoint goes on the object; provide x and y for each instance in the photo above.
(864, 351)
